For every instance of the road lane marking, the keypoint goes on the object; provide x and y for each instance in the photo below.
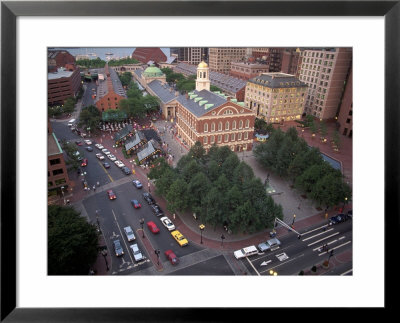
(322, 239)
(283, 263)
(127, 248)
(253, 266)
(343, 244)
(316, 235)
(319, 228)
(109, 176)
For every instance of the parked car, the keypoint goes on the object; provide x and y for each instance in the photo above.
(88, 148)
(136, 204)
(84, 162)
(153, 227)
(179, 238)
(338, 218)
(137, 184)
(106, 165)
(100, 156)
(119, 163)
(87, 142)
(129, 233)
(245, 252)
(167, 223)
(171, 257)
(112, 157)
(137, 254)
(99, 146)
(78, 142)
(111, 195)
(106, 151)
(126, 170)
(148, 198)
(270, 244)
(156, 210)
(118, 248)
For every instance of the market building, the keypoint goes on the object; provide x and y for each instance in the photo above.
(150, 151)
(135, 143)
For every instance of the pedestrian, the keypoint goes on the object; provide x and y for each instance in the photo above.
(94, 188)
(98, 184)
(67, 201)
(173, 216)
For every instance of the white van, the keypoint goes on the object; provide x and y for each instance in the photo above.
(246, 252)
(71, 122)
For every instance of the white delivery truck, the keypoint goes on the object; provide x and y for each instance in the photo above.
(71, 122)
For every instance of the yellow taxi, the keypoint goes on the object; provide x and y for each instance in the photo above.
(179, 238)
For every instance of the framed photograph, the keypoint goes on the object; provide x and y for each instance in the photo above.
(31, 29)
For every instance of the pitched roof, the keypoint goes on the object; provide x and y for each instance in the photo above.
(163, 91)
(277, 80)
(139, 136)
(201, 102)
(148, 149)
(123, 132)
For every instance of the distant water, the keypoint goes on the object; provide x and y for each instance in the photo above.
(118, 52)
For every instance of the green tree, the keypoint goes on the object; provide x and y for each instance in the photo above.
(160, 167)
(177, 197)
(72, 242)
(197, 152)
(89, 117)
(164, 182)
(308, 179)
(69, 105)
(126, 78)
(303, 160)
(197, 190)
(330, 190)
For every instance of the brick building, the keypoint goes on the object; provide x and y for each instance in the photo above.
(110, 91)
(211, 118)
(247, 70)
(58, 180)
(276, 96)
(220, 58)
(271, 56)
(146, 54)
(62, 85)
(325, 71)
(345, 117)
(290, 61)
(192, 55)
(59, 58)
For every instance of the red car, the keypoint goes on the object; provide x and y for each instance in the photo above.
(79, 143)
(171, 257)
(152, 227)
(111, 195)
(84, 162)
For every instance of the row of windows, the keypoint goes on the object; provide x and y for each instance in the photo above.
(226, 138)
(56, 172)
(227, 125)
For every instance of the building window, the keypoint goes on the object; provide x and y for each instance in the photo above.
(239, 136)
(247, 123)
(227, 125)
(246, 135)
(206, 127)
(234, 125)
(55, 161)
(213, 127)
(205, 140)
(60, 181)
(233, 137)
(212, 139)
(219, 138)
(226, 138)
(240, 124)
(58, 171)
(220, 126)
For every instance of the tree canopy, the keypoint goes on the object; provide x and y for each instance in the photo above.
(218, 188)
(72, 242)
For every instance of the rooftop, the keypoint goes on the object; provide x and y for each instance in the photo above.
(53, 147)
(277, 80)
(61, 72)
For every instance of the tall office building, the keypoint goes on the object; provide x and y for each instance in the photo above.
(192, 55)
(325, 71)
(272, 56)
(220, 58)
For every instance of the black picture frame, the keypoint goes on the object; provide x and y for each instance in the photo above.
(10, 10)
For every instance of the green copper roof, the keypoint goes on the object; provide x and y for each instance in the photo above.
(153, 71)
(207, 106)
(197, 99)
(202, 102)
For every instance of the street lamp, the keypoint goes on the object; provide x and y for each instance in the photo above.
(222, 240)
(294, 218)
(141, 223)
(104, 253)
(273, 273)
(157, 252)
(201, 226)
(62, 191)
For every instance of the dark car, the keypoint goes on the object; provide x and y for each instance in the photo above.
(126, 170)
(148, 198)
(106, 165)
(79, 143)
(157, 210)
(136, 204)
(171, 257)
(118, 248)
(88, 148)
(338, 218)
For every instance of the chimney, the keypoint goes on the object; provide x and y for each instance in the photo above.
(187, 96)
(228, 98)
(176, 93)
